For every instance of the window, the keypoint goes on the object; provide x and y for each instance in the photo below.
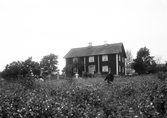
(91, 69)
(119, 68)
(91, 59)
(105, 58)
(119, 57)
(104, 68)
(75, 60)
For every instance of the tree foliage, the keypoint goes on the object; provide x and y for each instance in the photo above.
(48, 63)
(129, 59)
(20, 68)
(26, 71)
(144, 63)
(0, 74)
(162, 67)
(29, 65)
(78, 65)
(158, 59)
(68, 70)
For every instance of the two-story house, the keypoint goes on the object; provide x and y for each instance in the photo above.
(99, 58)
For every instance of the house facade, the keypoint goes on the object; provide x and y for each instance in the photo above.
(98, 59)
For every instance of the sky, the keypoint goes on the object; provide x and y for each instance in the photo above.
(39, 27)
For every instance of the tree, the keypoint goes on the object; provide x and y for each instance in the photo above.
(78, 65)
(162, 67)
(49, 64)
(68, 70)
(28, 65)
(12, 70)
(20, 68)
(158, 59)
(129, 59)
(144, 63)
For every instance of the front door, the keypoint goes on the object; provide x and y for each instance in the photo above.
(91, 69)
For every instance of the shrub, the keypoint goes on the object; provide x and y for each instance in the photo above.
(162, 75)
(28, 82)
(91, 98)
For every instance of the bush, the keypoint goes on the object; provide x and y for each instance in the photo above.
(92, 98)
(162, 75)
(28, 82)
(15, 69)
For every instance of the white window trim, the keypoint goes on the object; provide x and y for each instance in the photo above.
(94, 68)
(104, 56)
(103, 68)
(91, 60)
(119, 57)
(117, 64)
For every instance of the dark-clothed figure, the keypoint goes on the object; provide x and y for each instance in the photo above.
(110, 77)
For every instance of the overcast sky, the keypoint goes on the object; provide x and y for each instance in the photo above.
(40, 27)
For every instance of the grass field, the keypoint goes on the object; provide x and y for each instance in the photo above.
(127, 97)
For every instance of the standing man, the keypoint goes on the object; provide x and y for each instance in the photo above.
(110, 76)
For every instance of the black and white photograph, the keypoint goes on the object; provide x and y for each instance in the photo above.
(83, 59)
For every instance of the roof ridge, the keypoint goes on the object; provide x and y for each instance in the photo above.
(97, 45)
(94, 50)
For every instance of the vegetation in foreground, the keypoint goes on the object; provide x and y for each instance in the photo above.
(139, 97)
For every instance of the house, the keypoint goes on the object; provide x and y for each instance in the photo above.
(98, 59)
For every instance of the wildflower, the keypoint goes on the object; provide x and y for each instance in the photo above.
(136, 116)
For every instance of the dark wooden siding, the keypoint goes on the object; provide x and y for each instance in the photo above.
(124, 55)
(92, 63)
(121, 64)
(70, 61)
(111, 63)
(96, 63)
(81, 59)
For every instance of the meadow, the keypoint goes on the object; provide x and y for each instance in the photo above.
(127, 97)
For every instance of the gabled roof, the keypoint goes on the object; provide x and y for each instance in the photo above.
(95, 50)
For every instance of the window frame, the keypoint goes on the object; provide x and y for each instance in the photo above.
(91, 59)
(93, 68)
(104, 57)
(119, 57)
(106, 69)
